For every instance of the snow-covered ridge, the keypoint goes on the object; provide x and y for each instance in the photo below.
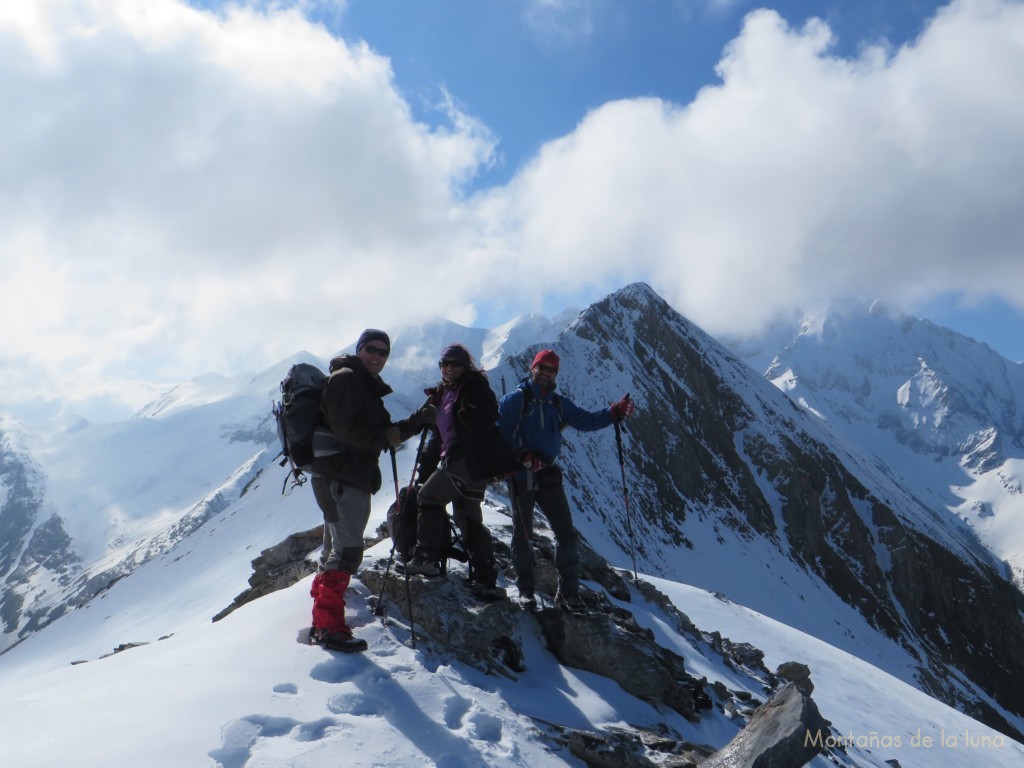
(943, 413)
(717, 461)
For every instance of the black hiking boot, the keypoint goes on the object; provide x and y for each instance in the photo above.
(570, 603)
(418, 567)
(337, 641)
(489, 592)
(528, 601)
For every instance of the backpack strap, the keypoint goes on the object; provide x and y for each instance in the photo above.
(529, 397)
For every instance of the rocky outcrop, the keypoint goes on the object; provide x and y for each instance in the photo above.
(34, 549)
(604, 639)
(781, 734)
(279, 566)
(607, 641)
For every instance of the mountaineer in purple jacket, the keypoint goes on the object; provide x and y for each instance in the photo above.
(531, 419)
(464, 453)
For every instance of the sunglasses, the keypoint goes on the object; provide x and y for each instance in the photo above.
(545, 368)
(378, 351)
(450, 364)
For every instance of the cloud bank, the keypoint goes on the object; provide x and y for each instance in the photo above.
(184, 191)
(800, 177)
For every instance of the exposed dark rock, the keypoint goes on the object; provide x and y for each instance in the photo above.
(478, 633)
(603, 639)
(23, 485)
(628, 746)
(796, 673)
(279, 567)
(121, 648)
(602, 751)
(50, 549)
(606, 642)
(24, 495)
(776, 736)
(739, 655)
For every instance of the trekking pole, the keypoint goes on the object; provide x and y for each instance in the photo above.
(408, 600)
(379, 611)
(625, 495)
(408, 592)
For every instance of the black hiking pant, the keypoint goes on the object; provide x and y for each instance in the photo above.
(544, 489)
(450, 483)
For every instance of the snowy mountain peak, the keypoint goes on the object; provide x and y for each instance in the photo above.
(937, 409)
(931, 388)
(839, 526)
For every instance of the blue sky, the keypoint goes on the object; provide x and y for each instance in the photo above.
(210, 187)
(531, 71)
(532, 78)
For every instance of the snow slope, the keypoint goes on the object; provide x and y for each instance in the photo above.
(244, 692)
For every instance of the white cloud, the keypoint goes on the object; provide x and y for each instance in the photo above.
(560, 22)
(184, 192)
(801, 176)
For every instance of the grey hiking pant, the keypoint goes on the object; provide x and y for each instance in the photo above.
(544, 489)
(346, 511)
(450, 483)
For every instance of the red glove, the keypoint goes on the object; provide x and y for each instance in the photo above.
(531, 462)
(622, 409)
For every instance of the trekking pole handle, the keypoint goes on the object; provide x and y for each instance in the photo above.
(394, 468)
(618, 427)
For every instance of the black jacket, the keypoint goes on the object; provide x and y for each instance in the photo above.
(352, 406)
(478, 440)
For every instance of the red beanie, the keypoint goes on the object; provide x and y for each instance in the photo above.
(546, 356)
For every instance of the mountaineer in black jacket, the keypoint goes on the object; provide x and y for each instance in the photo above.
(468, 451)
(352, 407)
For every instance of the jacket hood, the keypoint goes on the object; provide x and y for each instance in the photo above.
(347, 361)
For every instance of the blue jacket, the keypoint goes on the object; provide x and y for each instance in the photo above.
(539, 429)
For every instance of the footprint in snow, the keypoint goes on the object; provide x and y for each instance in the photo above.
(239, 736)
(357, 704)
(460, 712)
(455, 708)
(315, 730)
(485, 727)
(337, 668)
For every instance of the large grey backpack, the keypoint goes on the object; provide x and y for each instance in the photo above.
(300, 427)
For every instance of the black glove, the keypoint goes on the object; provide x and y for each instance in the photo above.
(427, 415)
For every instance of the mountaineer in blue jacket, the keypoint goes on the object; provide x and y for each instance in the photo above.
(531, 419)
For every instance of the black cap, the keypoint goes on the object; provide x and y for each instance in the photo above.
(373, 334)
